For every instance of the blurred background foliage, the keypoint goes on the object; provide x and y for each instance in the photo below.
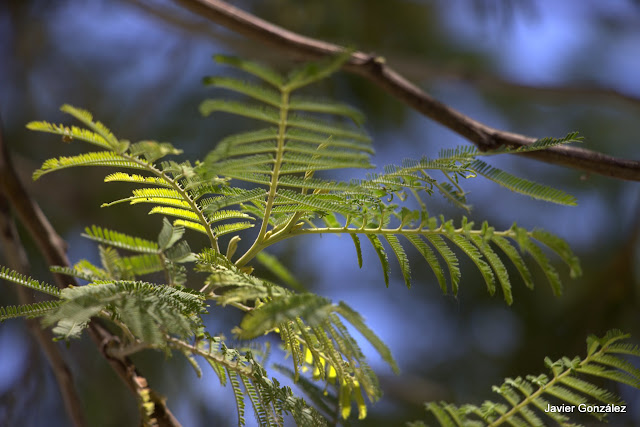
(540, 68)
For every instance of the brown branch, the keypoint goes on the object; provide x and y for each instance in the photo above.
(406, 65)
(486, 80)
(52, 246)
(16, 258)
(375, 69)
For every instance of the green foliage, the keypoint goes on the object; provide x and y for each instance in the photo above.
(27, 310)
(282, 273)
(572, 382)
(266, 178)
(248, 379)
(148, 310)
(120, 240)
(276, 157)
(308, 324)
(15, 277)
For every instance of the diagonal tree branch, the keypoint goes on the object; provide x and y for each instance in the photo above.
(52, 246)
(375, 69)
(16, 258)
(410, 67)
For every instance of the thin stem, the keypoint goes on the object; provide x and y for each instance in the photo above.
(307, 175)
(275, 176)
(453, 181)
(125, 329)
(447, 195)
(237, 305)
(419, 231)
(174, 184)
(234, 365)
(285, 234)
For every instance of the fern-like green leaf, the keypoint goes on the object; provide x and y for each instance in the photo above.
(449, 258)
(561, 248)
(260, 93)
(179, 213)
(258, 70)
(263, 414)
(152, 150)
(610, 374)
(161, 196)
(70, 132)
(431, 259)
(307, 324)
(515, 258)
(85, 117)
(137, 179)
(571, 384)
(311, 72)
(441, 414)
(102, 158)
(234, 380)
(476, 257)
(191, 225)
(264, 114)
(223, 229)
(462, 161)
(292, 343)
(227, 214)
(544, 143)
(276, 267)
(586, 388)
(382, 255)
(317, 126)
(359, 142)
(327, 203)
(234, 196)
(310, 307)
(139, 265)
(27, 310)
(401, 256)
(20, 279)
(67, 329)
(356, 242)
(523, 186)
(356, 320)
(302, 138)
(169, 234)
(149, 311)
(322, 400)
(193, 362)
(497, 266)
(550, 272)
(327, 107)
(120, 240)
(83, 269)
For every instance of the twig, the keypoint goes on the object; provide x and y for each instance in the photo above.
(409, 66)
(16, 258)
(52, 246)
(375, 69)
(120, 352)
(127, 371)
(487, 80)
